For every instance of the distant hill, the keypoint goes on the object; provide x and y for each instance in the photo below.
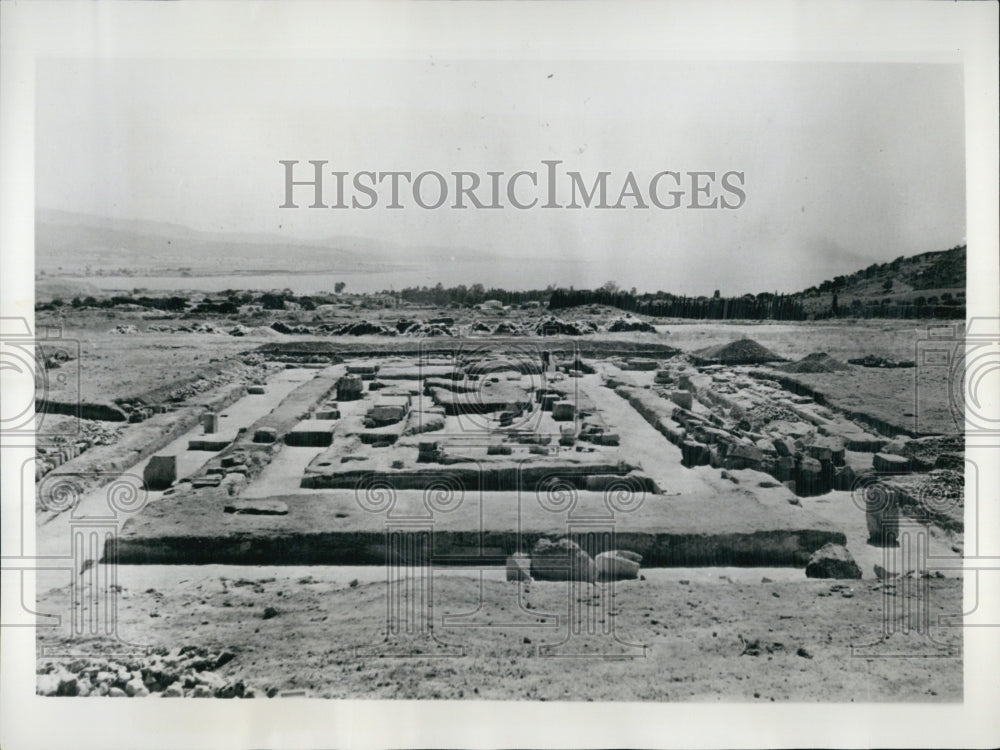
(69, 244)
(911, 287)
(930, 285)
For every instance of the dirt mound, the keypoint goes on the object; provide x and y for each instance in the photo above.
(553, 326)
(281, 327)
(742, 352)
(629, 323)
(816, 362)
(428, 329)
(504, 328)
(359, 328)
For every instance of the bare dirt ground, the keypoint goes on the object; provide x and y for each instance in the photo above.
(121, 366)
(778, 641)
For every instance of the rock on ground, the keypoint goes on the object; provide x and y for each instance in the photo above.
(832, 561)
(561, 561)
(617, 565)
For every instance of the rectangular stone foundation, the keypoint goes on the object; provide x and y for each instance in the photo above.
(335, 528)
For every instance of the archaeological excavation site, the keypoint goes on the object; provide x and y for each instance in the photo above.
(495, 503)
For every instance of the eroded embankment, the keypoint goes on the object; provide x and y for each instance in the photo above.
(772, 548)
(353, 528)
(81, 410)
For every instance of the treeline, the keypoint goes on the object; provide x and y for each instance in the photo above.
(765, 306)
(947, 307)
(225, 303)
(467, 296)
(166, 304)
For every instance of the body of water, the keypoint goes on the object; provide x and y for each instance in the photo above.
(514, 274)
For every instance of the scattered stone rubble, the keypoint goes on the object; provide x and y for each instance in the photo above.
(52, 452)
(185, 672)
(725, 419)
(190, 328)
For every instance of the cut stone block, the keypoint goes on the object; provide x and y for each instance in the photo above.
(888, 463)
(265, 435)
(740, 456)
(864, 443)
(843, 478)
(563, 411)
(561, 561)
(365, 372)
(311, 433)
(784, 468)
(784, 446)
(617, 565)
(160, 472)
(694, 454)
(209, 480)
(881, 514)
(683, 399)
(262, 507)
(210, 422)
(811, 479)
(212, 443)
(831, 448)
(519, 567)
(663, 377)
(349, 388)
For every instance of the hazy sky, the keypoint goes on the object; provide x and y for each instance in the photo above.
(845, 164)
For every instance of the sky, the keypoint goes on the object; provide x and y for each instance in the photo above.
(844, 164)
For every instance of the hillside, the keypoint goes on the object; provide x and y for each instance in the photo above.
(914, 285)
(67, 243)
(70, 244)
